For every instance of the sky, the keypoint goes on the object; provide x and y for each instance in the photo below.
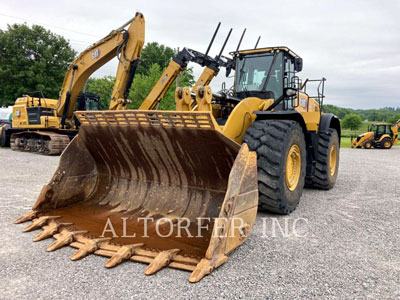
(354, 44)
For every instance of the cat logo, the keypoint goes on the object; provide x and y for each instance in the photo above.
(95, 54)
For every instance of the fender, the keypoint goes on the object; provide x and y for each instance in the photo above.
(282, 115)
(329, 120)
(384, 136)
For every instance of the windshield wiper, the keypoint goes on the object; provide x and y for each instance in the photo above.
(241, 71)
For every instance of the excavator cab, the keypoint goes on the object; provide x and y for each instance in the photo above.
(88, 101)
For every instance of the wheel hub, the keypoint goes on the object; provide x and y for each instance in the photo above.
(332, 160)
(293, 167)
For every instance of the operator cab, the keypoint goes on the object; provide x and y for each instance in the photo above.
(380, 129)
(266, 73)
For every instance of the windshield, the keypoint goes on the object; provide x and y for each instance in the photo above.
(92, 105)
(253, 73)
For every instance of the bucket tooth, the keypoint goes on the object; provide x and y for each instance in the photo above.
(160, 261)
(49, 231)
(28, 217)
(88, 248)
(206, 266)
(124, 253)
(39, 222)
(66, 238)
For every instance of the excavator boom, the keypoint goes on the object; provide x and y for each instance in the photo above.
(119, 42)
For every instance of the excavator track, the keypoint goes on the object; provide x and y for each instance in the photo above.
(47, 143)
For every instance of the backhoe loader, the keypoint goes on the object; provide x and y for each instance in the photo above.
(47, 125)
(380, 135)
(131, 180)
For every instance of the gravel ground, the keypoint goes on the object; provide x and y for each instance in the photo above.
(346, 244)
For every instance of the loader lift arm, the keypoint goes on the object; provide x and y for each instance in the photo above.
(178, 64)
(122, 43)
(175, 67)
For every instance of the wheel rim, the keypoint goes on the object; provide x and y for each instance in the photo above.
(332, 160)
(293, 167)
(387, 144)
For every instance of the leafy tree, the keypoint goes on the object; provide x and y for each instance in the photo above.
(393, 119)
(32, 59)
(352, 122)
(154, 53)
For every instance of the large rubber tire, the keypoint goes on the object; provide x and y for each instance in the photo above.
(388, 141)
(367, 145)
(323, 179)
(3, 139)
(272, 139)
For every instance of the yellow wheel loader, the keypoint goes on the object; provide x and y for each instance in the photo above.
(46, 126)
(380, 135)
(182, 188)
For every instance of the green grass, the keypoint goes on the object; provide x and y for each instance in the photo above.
(345, 142)
(363, 128)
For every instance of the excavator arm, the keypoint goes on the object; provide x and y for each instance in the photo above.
(395, 130)
(124, 44)
(395, 126)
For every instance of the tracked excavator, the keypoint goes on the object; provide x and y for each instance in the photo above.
(46, 125)
(132, 179)
(28, 140)
(380, 135)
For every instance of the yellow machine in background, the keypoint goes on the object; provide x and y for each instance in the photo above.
(192, 165)
(47, 125)
(380, 135)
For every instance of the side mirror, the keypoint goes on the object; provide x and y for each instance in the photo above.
(298, 64)
(290, 92)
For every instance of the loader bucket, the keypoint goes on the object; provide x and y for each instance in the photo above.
(163, 188)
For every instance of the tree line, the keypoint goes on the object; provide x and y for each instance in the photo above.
(386, 114)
